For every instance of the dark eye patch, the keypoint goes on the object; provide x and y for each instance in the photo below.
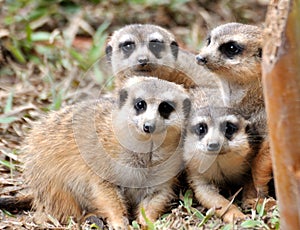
(140, 105)
(231, 49)
(127, 47)
(156, 46)
(229, 129)
(200, 129)
(165, 108)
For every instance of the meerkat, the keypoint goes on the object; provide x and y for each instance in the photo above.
(153, 52)
(110, 159)
(218, 150)
(150, 50)
(233, 52)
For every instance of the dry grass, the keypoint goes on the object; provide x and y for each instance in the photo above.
(46, 51)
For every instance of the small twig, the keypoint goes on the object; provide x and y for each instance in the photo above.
(231, 202)
(19, 109)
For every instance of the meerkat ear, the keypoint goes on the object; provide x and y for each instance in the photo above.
(259, 53)
(174, 49)
(108, 51)
(186, 106)
(123, 94)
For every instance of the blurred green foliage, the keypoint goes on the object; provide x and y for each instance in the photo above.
(36, 33)
(37, 27)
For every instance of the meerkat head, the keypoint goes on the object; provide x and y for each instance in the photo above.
(216, 131)
(140, 49)
(150, 107)
(233, 51)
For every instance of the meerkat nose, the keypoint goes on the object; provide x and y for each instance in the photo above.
(143, 61)
(201, 60)
(148, 128)
(213, 146)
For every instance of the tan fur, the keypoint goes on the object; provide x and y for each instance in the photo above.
(240, 80)
(230, 164)
(262, 169)
(172, 63)
(94, 158)
(240, 76)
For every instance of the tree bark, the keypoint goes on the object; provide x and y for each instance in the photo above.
(281, 82)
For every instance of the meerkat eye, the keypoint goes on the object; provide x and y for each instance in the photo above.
(165, 109)
(230, 129)
(127, 47)
(140, 105)
(174, 49)
(231, 49)
(156, 47)
(201, 129)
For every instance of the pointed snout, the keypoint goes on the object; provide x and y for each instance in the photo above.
(143, 60)
(200, 59)
(213, 146)
(149, 127)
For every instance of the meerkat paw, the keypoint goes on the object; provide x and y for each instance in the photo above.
(119, 224)
(233, 214)
(40, 218)
(142, 221)
(249, 203)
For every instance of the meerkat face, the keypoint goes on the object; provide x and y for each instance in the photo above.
(216, 134)
(149, 107)
(233, 50)
(141, 49)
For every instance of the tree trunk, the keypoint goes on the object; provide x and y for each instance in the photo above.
(281, 82)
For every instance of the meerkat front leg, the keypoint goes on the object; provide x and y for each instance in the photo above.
(249, 195)
(208, 195)
(110, 205)
(155, 203)
(262, 170)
